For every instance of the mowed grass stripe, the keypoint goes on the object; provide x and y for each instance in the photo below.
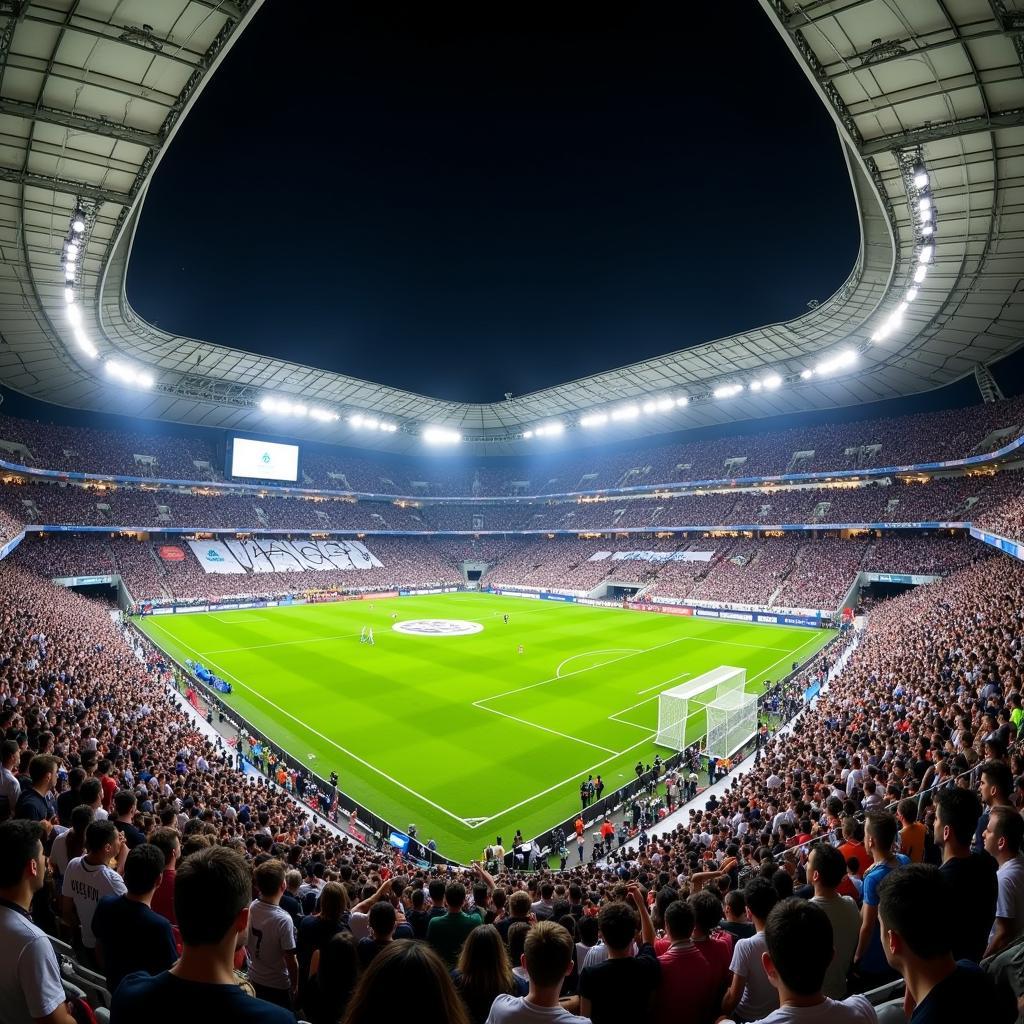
(405, 706)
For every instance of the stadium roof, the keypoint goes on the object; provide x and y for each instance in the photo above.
(928, 101)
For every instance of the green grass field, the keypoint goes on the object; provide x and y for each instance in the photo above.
(462, 734)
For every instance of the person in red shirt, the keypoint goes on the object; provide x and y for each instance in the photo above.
(109, 784)
(578, 825)
(853, 847)
(607, 833)
(712, 943)
(687, 993)
(168, 842)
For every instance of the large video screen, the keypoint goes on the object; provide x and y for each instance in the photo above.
(264, 460)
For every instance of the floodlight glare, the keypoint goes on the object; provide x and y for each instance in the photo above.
(902, 308)
(924, 205)
(755, 385)
(727, 390)
(594, 419)
(371, 423)
(69, 295)
(268, 405)
(920, 176)
(772, 381)
(78, 224)
(925, 254)
(911, 294)
(682, 400)
(806, 374)
(920, 274)
(626, 412)
(527, 434)
(85, 344)
(927, 229)
(75, 315)
(664, 404)
(144, 379)
(649, 407)
(72, 250)
(441, 435)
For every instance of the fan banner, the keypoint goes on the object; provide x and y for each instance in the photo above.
(662, 556)
(237, 557)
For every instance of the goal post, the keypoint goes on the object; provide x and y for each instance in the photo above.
(679, 704)
(731, 721)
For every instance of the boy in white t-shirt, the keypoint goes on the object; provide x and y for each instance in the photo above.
(89, 878)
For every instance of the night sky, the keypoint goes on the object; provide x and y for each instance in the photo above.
(464, 207)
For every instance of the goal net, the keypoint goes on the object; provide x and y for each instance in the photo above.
(682, 709)
(731, 721)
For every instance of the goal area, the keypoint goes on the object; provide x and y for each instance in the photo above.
(719, 697)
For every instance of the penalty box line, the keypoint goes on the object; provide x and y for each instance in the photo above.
(320, 735)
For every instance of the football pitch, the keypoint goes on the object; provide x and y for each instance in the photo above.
(457, 731)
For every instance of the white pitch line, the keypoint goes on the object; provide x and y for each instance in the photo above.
(656, 686)
(584, 654)
(280, 643)
(554, 732)
(320, 735)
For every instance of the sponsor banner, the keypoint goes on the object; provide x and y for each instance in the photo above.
(517, 593)
(545, 596)
(661, 556)
(357, 833)
(899, 577)
(1004, 544)
(379, 596)
(171, 553)
(216, 558)
(83, 581)
(666, 609)
(597, 602)
(161, 611)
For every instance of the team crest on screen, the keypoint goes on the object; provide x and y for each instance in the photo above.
(438, 627)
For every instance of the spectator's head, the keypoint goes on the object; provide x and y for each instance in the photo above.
(707, 911)
(914, 917)
(168, 842)
(906, 811)
(617, 923)
(761, 897)
(334, 901)
(382, 919)
(454, 896)
(143, 869)
(735, 906)
(547, 955)
(799, 938)
(826, 867)
(679, 921)
(1004, 833)
(519, 903)
(516, 939)
(91, 792)
(42, 771)
(956, 817)
(212, 893)
(124, 803)
(22, 862)
(338, 973)
(101, 839)
(996, 783)
(483, 963)
(406, 981)
(880, 830)
(269, 878)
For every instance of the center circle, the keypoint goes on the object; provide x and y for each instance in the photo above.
(438, 627)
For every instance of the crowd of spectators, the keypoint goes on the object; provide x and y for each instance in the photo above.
(1006, 519)
(880, 837)
(891, 441)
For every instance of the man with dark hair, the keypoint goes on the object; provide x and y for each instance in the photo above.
(130, 937)
(89, 878)
(917, 928)
(750, 995)
(612, 991)
(880, 830)
(995, 787)
(168, 842)
(518, 912)
(798, 936)
(826, 870)
(10, 790)
(715, 946)
(35, 804)
(912, 831)
(687, 992)
(971, 875)
(547, 958)
(71, 797)
(447, 934)
(124, 811)
(271, 942)
(1004, 838)
(211, 902)
(31, 991)
(735, 920)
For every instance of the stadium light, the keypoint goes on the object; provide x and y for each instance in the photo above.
(920, 274)
(128, 374)
(594, 419)
(920, 176)
(927, 229)
(806, 374)
(755, 385)
(74, 316)
(772, 381)
(838, 362)
(664, 404)
(626, 412)
(727, 390)
(78, 222)
(441, 435)
(69, 295)
(682, 400)
(323, 415)
(911, 294)
(85, 344)
(527, 434)
(926, 253)
(924, 206)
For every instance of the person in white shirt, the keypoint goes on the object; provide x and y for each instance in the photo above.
(750, 995)
(31, 991)
(1004, 837)
(548, 960)
(826, 870)
(10, 789)
(271, 941)
(89, 878)
(70, 843)
(798, 937)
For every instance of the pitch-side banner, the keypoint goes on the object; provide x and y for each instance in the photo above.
(257, 556)
(662, 556)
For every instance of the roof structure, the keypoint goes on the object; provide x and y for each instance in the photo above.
(91, 94)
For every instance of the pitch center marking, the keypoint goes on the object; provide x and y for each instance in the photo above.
(586, 654)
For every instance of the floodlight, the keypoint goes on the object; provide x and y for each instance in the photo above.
(594, 419)
(920, 274)
(75, 315)
(85, 344)
(626, 412)
(920, 176)
(268, 405)
(71, 264)
(552, 428)
(370, 422)
(727, 390)
(72, 250)
(837, 362)
(664, 404)
(902, 308)
(299, 410)
(649, 407)
(389, 428)
(527, 434)
(755, 385)
(925, 255)
(441, 435)
(806, 374)
(924, 206)
(927, 229)
(682, 400)
(144, 379)
(69, 295)
(772, 381)
(78, 222)
(911, 294)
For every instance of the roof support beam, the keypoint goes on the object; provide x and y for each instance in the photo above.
(943, 130)
(72, 188)
(80, 122)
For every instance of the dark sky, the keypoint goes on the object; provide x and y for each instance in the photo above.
(465, 207)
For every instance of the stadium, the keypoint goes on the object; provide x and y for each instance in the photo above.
(645, 645)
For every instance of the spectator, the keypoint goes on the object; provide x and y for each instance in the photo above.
(1004, 837)
(211, 901)
(168, 842)
(271, 944)
(971, 875)
(35, 803)
(316, 930)
(715, 946)
(547, 958)
(687, 992)
(735, 921)
(10, 789)
(519, 910)
(751, 995)
(484, 972)
(622, 986)
(70, 844)
(31, 991)
(826, 870)
(124, 810)
(89, 878)
(130, 937)
(333, 974)
(912, 832)
(913, 912)
(869, 959)
(407, 982)
(383, 921)
(799, 939)
(446, 934)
